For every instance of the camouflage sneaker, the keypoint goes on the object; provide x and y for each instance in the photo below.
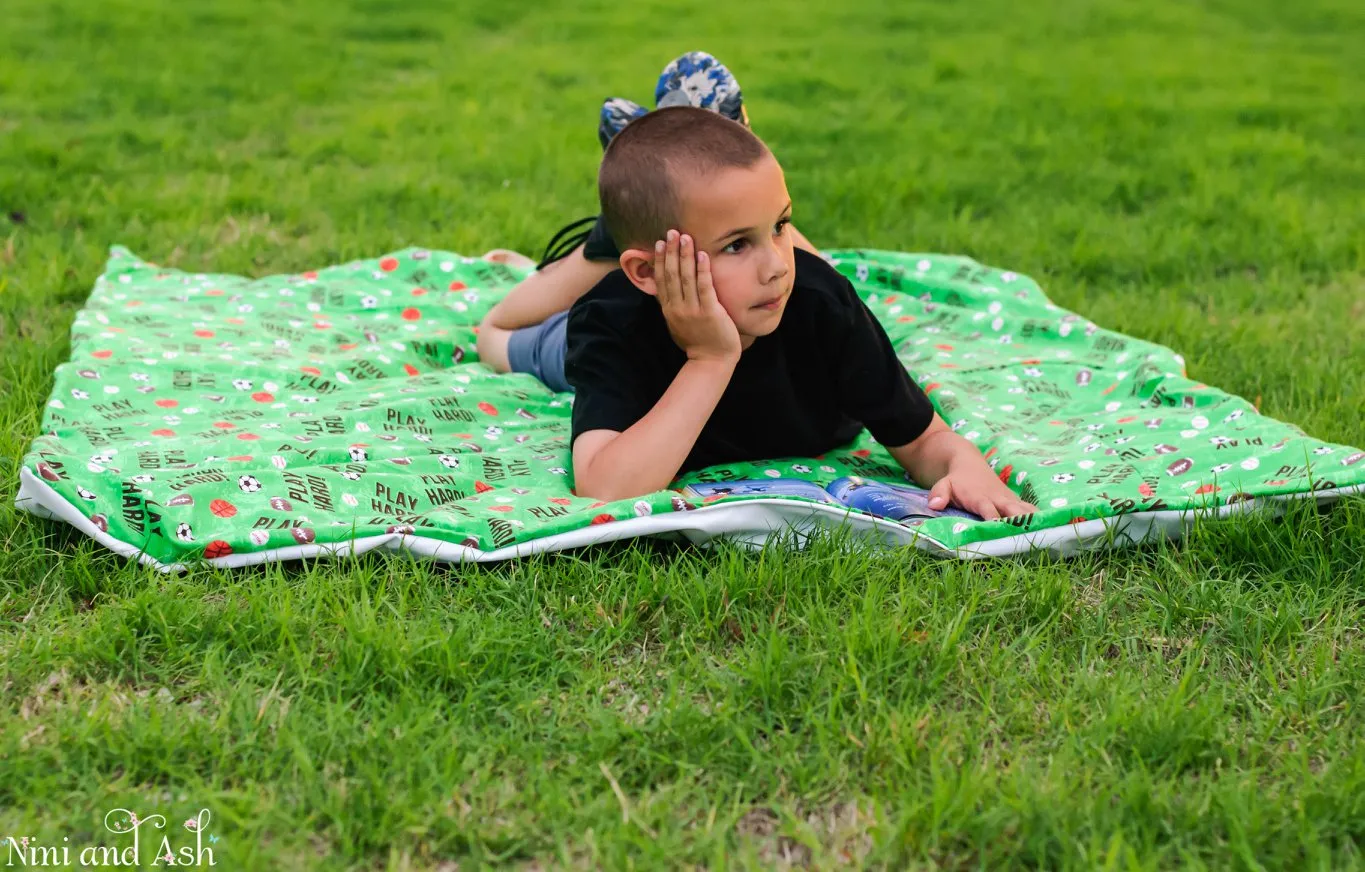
(698, 79)
(694, 79)
(616, 114)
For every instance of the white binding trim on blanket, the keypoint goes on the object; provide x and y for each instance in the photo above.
(749, 522)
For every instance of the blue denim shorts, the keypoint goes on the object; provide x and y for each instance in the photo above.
(539, 350)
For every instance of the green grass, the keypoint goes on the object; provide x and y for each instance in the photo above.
(1189, 173)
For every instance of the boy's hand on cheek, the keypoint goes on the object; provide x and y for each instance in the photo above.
(696, 319)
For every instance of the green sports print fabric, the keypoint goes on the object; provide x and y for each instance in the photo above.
(205, 416)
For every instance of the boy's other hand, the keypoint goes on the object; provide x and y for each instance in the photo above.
(961, 476)
(696, 319)
(974, 486)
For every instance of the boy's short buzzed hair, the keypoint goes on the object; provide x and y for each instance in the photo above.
(638, 180)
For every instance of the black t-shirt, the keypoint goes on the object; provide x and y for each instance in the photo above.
(599, 245)
(810, 386)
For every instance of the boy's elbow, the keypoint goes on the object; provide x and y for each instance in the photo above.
(603, 488)
(602, 472)
(604, 491)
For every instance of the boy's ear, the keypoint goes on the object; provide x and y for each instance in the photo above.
(638, 265)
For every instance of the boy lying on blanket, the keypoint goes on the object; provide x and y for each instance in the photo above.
(718, 341)
(524, 332)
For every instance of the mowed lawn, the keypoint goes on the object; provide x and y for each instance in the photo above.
(1192, 173)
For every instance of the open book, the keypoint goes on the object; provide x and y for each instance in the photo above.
(901, 503)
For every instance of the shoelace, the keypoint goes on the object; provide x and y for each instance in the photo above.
(566, 240)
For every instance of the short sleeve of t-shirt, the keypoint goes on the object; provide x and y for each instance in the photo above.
(599, 245)
(875, 388)
(601, 363)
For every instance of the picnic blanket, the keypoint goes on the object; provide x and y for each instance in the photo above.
(234, 420)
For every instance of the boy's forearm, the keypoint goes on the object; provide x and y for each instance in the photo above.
(929, 457)
(646, 457)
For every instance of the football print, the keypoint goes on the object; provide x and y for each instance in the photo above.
(1180, 467)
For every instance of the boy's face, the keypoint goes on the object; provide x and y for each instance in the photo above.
(739, 217)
